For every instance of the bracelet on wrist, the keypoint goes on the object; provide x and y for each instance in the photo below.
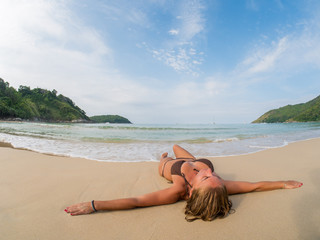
(92, 204)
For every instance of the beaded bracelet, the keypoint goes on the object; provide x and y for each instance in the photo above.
(92, 204)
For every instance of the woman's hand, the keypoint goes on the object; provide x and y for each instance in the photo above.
(80, 208)
(292, 184)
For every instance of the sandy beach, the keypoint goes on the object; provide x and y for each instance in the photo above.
(36, 188)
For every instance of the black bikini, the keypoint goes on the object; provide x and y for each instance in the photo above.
(176, 169)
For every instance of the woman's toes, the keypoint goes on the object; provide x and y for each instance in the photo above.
(164, 155)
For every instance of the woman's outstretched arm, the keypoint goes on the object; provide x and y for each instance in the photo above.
(235, 187)
(165, 196)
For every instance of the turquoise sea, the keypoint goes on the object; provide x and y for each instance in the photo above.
(146, 142)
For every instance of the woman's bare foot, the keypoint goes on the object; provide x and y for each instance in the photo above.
(164, 155)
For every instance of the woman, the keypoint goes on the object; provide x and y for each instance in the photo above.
(195, 181)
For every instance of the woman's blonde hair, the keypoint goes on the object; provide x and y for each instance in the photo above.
(208, 204)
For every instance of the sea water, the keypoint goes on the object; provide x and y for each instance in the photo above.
(146, 142)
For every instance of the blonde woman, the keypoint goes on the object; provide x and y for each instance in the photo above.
(193, 180)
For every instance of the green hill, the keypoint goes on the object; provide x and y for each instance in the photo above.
(304, 112)
(37, 105)
(109, 119)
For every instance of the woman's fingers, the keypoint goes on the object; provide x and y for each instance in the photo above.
(76, 213)
(80, 208)
(292, 184)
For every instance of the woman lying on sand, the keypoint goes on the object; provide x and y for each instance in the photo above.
(195, 181)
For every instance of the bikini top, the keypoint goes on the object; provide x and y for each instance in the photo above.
(176, 170)
(176, 167)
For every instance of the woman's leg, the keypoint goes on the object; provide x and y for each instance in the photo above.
(179, 152)
(163, 161)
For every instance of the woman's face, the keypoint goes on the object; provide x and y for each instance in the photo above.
(206, 178)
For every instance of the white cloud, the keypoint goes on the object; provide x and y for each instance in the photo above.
(128, 12)
(215, 87)
(75, 60)
(304, 49)
(293, 52)
(180, 52)
(174, 32)
(282, 69)
(180, 59)
(192, 51)
(192, 20)
(138, 17)
(45, 45)
(200, 94)
(265, 59)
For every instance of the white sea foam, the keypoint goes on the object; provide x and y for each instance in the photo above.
(130, 143)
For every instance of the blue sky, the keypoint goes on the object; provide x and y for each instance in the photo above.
(161, 61)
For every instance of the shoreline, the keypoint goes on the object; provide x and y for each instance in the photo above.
(5, 144)
(145, 143)
(9, 145)
(265, 148)
(36, 188)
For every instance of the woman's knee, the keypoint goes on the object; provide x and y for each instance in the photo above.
(176, 147)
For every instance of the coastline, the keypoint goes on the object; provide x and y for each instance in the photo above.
(35, 188)
(5, 144)
(9, 145)
(135, 143)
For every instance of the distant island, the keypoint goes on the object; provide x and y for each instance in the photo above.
(303, 112)
(109, 119)
(42, 105)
